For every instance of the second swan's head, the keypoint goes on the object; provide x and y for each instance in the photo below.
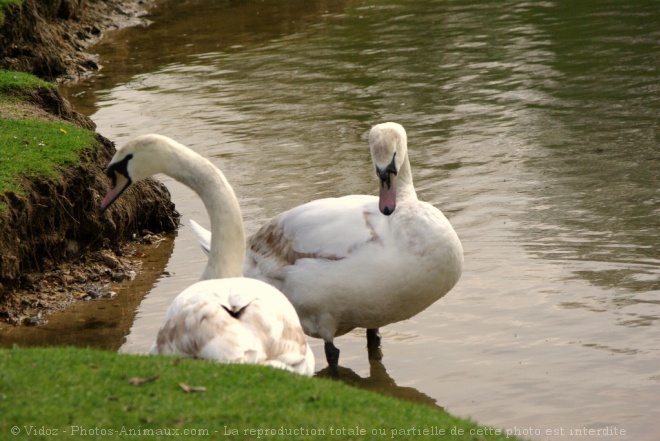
(388, 145)
(138, 159)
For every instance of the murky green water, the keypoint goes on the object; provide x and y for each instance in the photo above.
(532, 125)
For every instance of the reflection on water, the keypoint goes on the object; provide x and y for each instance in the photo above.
(180, 30)
(378, 381)
(102, 323)
(532, 125)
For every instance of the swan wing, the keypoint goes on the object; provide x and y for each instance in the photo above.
(235, 320)
(328, 229)
(199, 323)
(325, 228)
(276, 324)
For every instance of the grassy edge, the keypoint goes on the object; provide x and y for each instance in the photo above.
(103, 395)
(38, 149)
(32, 148)
(17, 82)
(4, 4)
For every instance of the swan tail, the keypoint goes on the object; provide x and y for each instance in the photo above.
(203, 236)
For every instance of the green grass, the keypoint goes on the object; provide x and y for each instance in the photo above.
(12, 81)
(34, 148)
(63, 393)
(3, 6)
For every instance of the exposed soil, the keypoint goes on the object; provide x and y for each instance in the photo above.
(89, 275)
(55, 246)
(49, 38)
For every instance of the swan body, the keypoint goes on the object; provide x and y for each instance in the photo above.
(237, 320)
(224, 317)
(358, 261)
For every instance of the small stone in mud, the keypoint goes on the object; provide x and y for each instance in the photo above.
(150, 239)
(109, 295)
(34, 321)
(94, 292)
(119, 277)
(110, 261)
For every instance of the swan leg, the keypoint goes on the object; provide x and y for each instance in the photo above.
(332, 356)
(373, 344)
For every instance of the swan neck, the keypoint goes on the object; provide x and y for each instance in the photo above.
(228, 236)
(406, 187)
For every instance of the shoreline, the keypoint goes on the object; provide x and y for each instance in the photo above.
(51, 41)
(55, 248)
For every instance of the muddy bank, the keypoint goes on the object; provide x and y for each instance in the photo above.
(50, 38)
(55, 246)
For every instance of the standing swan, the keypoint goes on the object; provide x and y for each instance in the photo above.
(358, 261)
(229, 318)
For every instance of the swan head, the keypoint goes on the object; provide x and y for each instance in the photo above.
(388, 145)
(137, 159)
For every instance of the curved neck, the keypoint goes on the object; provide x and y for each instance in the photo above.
(227, 232)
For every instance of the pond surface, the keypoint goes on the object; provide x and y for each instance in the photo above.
(532, 125)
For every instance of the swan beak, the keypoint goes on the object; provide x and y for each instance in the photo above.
(119, 184)
(387, 198)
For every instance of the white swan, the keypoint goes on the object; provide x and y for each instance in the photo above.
(358, 261)
(229, 318)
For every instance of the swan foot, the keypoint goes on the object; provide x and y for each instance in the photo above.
(332, 356)
(373, 345)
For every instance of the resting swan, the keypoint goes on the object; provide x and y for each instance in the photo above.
(229, 318)
(358, 261)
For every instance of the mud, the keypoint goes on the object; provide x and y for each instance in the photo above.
(55, 245)
(50, 38)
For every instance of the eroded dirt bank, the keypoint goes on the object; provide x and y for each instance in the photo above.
(55, 246)
(49, 38)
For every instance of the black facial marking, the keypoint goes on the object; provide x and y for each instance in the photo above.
(384, 175)
(119, 167)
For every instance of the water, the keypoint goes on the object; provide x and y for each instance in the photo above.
(532, 125)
